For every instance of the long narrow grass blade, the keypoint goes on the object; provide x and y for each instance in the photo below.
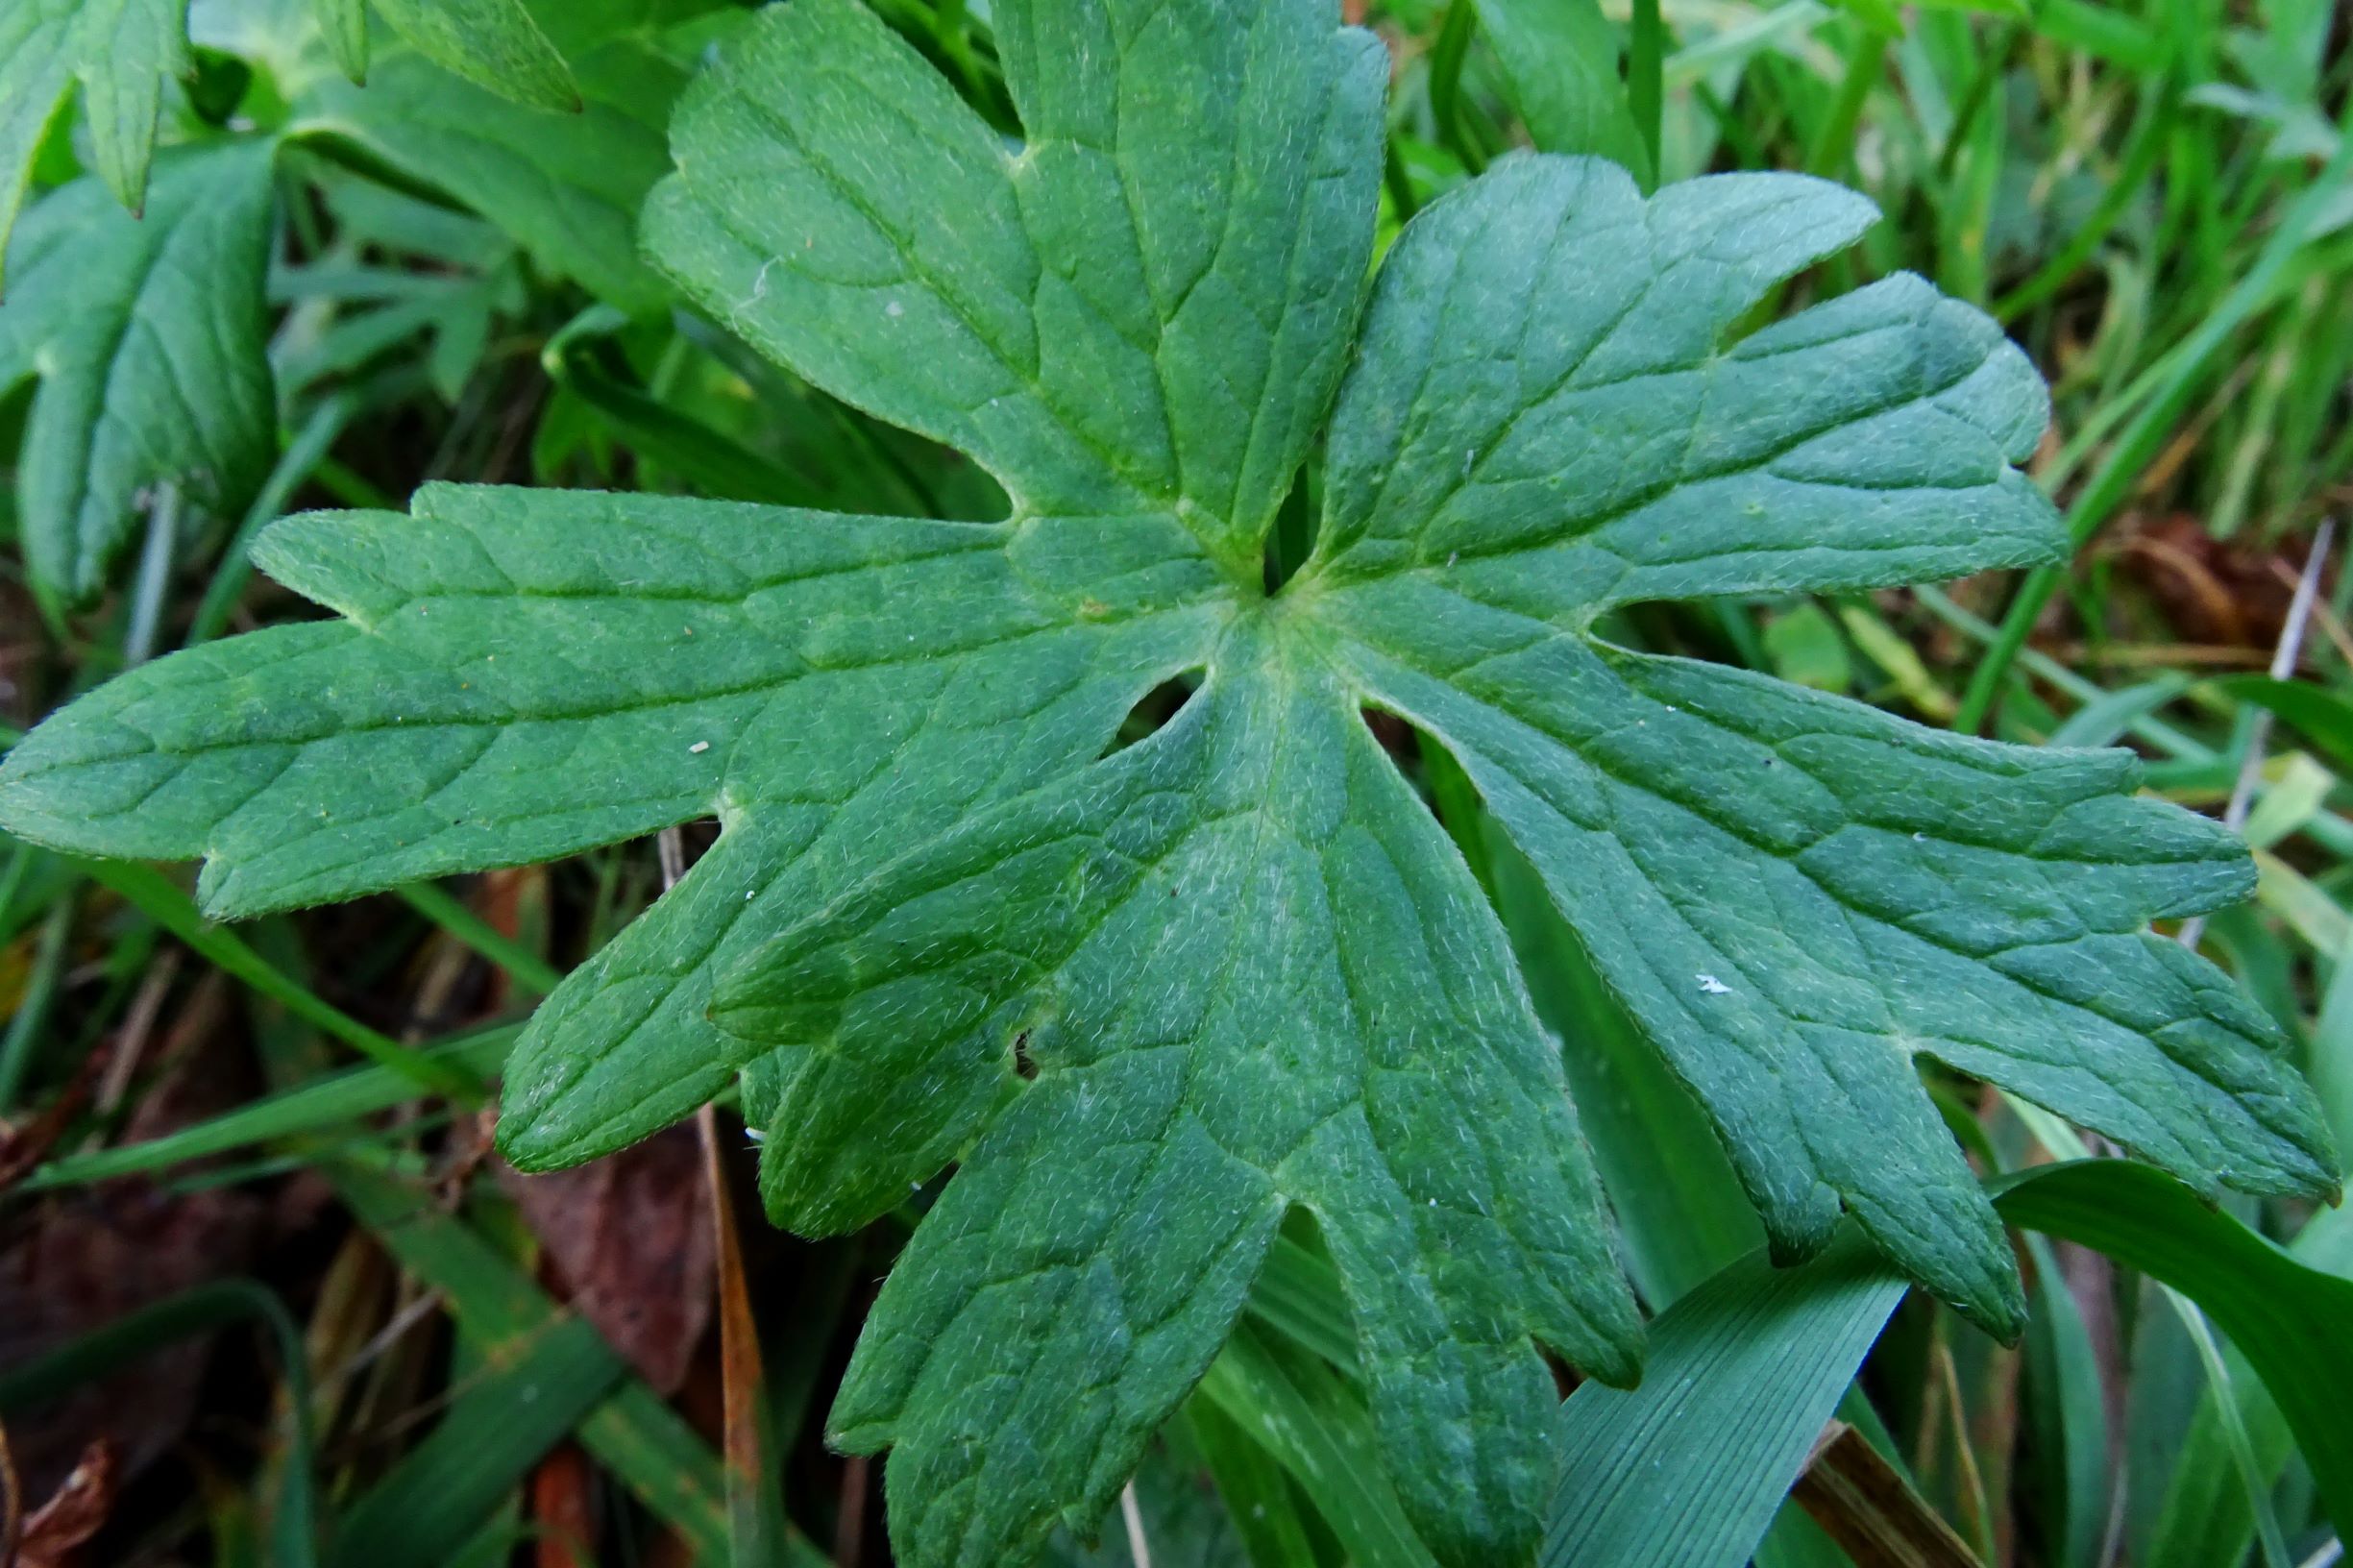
(336, 1101)
(1252, 1483)
(1646, 50)
(27, 1024)
(1299, 1293)
(2207, 1514)
(1687, 1470)
(1317, 1425)
(294, 465)
(576, 358)
(530, 973)
(2104, 718)
(2288, 1320)
(425, 1511)
(161, 899)
(633, 1433)
(2206, 1517)
(2250, 1470)
(2059, 1350)
(2321, 716)
(2154, 425)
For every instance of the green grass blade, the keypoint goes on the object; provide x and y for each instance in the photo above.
(161, 899)
(2066, 1369)
(2138, 163)
(27, 1025)
(337, 1100)
(1315, 1423)
(2322, 717)
(426, 1509)
(1687, 1470)
(2105, 718)
(2286, 1319)
(2207, 1514)
(1832, 151)
(1299, 1293)
(1250, 1481)
(2253, 1479)
(529, 972)
(2155, 424)
(1646, 52)
(579, 358)
(634, 1433)
(294, 465)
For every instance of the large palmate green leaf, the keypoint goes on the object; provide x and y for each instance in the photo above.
(1260, 976)
(148, 336)
(118, 52)
(1148, 998)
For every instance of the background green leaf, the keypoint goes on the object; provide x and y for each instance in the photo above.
(566, 184)
(496, 44)
(147, 336)
(117, 54)
(1560, 62)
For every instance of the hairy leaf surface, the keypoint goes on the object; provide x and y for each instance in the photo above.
(1148, 997)
(1249, 973)
(1796, 895)
(148, 336)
